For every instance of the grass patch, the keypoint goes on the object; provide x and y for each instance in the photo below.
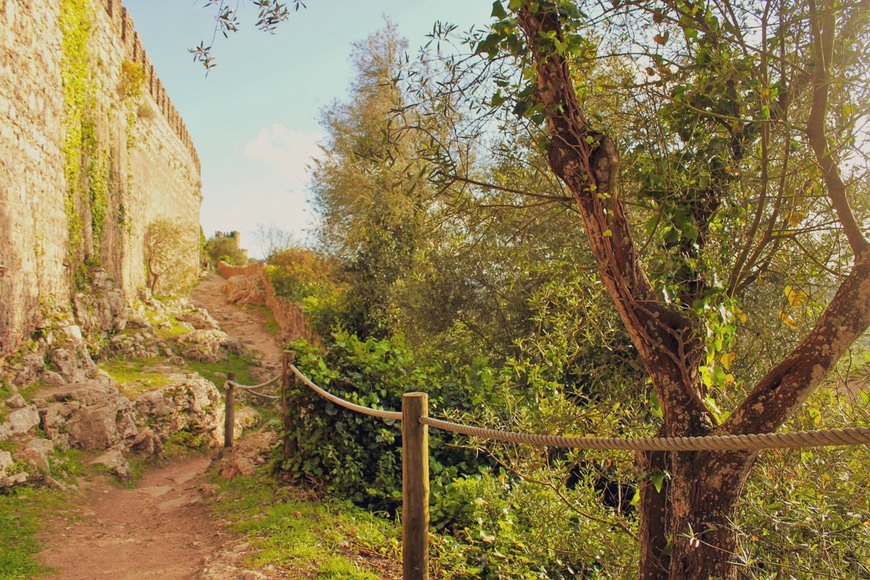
(21, 511)
(233, 363)
(269, 322)
(313, 539)
(135, 377)
(30, 390)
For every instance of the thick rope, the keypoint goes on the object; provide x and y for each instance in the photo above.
(260, 386)
(394, 415)
(753, 441)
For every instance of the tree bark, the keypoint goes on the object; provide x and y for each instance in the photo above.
(686, 528)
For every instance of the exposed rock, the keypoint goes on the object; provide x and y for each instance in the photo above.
(115, 463)
(73, 364)
(247, 454)
(147, 442)
(7, 479)
(36, 452)
(207, 345)
(28, 369)
(143, 344)
(52, 378)
(193, 406)
(74, 332)
(199, 319)
(245, 290)
(16, 401)
(92, 415)
(19, 422)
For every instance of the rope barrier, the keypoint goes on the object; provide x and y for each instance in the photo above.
(250, 388)
(260, 386)
(394, 415)
(750, 441)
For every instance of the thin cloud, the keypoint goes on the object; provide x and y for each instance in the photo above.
(286, 151)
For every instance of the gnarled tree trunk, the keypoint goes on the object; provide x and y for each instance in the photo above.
(687, 525)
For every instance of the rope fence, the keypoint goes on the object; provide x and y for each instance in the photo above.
(749, 441)
(230, 387)
(415, 420)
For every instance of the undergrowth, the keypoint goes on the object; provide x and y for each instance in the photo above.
(313, 537)
(217, 372)
(136, 376)
(22, 510)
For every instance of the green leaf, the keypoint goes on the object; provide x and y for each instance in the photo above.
(658, 478)
(498, 10)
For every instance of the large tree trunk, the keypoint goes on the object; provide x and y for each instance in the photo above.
(687, 526)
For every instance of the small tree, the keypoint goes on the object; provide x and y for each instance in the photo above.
(273, 240)
(171, 256)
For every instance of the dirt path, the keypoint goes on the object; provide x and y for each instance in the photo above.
(245, 325)
(159, 529)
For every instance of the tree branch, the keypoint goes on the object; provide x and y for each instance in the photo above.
(822, 24)
(588, 163)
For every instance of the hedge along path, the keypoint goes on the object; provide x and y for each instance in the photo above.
(415, 419)
(749, 441)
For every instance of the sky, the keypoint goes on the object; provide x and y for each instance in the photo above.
(254, 118)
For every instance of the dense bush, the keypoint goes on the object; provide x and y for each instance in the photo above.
(359, 457)
(312, 281)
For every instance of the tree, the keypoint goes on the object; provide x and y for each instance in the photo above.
(686, 525)
(171, 256)
(225, 248)
(273, 240)
(735, 148)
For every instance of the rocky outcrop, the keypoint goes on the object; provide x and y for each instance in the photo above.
(9, 472)
(207, 345)
(246, 289)
(91, 415)
(101, 312)
(19, 422)
(191, 409)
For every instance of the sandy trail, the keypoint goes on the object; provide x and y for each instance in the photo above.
(160, 528)
(245, 325)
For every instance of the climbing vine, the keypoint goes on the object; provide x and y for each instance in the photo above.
(79, 130)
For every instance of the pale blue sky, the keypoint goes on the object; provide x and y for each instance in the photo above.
(254, 119)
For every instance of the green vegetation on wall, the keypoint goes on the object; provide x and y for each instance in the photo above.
(79, 139)
(89, 164)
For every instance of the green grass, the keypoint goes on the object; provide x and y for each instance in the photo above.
(20, 513)
(135, 377)
(269, 322)
(313, 539)
(233, 363)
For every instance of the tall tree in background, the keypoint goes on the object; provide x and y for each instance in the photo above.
(368, 188)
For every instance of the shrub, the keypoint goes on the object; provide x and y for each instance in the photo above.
(359, 457)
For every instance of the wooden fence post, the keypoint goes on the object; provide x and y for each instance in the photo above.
(415, 487)
(230, 411)
(288, 381)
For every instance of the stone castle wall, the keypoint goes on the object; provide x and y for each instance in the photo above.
(81, 180)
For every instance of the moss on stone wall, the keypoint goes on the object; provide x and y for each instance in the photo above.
(89, 165)
(78, 97)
